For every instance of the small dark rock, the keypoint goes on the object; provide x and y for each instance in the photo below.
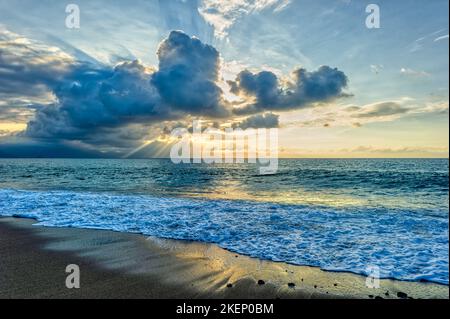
(335, 285)
(291, 285)
(229, 285)
(261, 282)
(371, 296)
(386, 293)
(315, 286)
(402, 295)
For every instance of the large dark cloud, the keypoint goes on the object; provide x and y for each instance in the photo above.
(28, 68)
(92, 100)
(307, 88)
(187, 76)
(117, 108)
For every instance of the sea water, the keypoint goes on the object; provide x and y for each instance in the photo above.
(340, 215)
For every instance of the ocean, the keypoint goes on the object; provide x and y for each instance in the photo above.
(337, 214)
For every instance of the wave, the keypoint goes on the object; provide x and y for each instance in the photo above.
(405, 244)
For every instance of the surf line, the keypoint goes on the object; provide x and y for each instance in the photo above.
(196, 310)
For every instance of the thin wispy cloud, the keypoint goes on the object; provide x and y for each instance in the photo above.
(443, 37)
(414, 73)
(376, 68)
(356, 116)
(223, 14)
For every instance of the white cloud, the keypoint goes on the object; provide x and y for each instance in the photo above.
(223, 14)
(376, 68)
(414, 73)
(441, 38)
(341, 115)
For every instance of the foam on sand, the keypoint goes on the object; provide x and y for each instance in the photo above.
(403, 244)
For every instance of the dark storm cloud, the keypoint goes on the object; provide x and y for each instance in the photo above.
(28, 71)
(91, 100)
(307, 88)
(88, 104)
(187, 76)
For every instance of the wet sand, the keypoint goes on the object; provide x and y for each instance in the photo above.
(33, 260)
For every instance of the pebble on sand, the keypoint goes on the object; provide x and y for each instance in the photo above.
(402, 295)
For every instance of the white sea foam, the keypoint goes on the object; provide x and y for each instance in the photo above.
(404, 244)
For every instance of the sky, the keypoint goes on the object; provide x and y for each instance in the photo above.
(134, 70)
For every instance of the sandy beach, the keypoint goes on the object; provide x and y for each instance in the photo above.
(121, 265)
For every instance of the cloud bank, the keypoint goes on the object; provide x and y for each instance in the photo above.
(117, 108)
(92, 101)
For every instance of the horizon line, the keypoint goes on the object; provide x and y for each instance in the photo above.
(168, 158)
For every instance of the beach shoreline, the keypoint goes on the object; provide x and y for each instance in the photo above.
(124, 265)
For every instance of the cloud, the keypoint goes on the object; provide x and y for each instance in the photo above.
(306, 89)
(381, 109)
(101, 105)
(15, 110)
(267, 120)
(117, 109)
(92, 101)
(4, 133)
(440, 107)
(428, 40)
(356, 116)
(187, 76)
(444, 37)
(376, 68)
(28, 68)
(223, 14)
(414, 73)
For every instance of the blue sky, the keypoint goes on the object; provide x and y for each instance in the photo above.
(394, 101)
